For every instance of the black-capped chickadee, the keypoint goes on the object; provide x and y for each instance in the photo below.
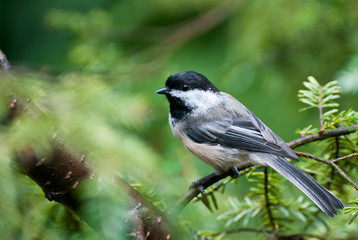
(223, 133)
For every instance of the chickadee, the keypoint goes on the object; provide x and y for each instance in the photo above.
(223, 133)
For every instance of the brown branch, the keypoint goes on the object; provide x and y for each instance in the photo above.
(267, 200)
(323, 135)
(138, 226)
(330, 163)
(59, 176)
(66, 178)
(344, 157)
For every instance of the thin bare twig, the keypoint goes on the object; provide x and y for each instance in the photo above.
(323, 135)
(330, 163)
(344, 157)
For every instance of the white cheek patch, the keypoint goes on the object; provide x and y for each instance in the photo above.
(198, 100)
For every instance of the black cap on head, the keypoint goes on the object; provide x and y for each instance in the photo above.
(189, 80)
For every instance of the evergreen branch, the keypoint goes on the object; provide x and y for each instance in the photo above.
(352, 211)
(320, 97)
(330, 163)
(267, 200)
(340, 131)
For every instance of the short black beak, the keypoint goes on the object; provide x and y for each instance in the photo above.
(163, 91)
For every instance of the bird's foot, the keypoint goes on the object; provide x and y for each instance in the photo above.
(199, 184)
(234, 172)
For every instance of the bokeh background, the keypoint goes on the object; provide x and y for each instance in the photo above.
(91, 69)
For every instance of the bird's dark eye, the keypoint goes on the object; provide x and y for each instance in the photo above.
(186, 87)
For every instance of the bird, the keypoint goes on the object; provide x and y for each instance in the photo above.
(223, 133)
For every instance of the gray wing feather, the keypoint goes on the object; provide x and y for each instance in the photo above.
(271, 137)
(239, 128)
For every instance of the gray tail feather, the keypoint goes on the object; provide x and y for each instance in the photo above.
(322, 197)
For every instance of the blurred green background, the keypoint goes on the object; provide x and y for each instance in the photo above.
(91, 69)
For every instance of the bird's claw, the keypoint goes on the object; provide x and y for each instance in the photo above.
(234, 172)
(202, 191)
(198, 184)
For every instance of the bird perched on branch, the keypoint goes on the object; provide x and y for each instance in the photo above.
(223, 133)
